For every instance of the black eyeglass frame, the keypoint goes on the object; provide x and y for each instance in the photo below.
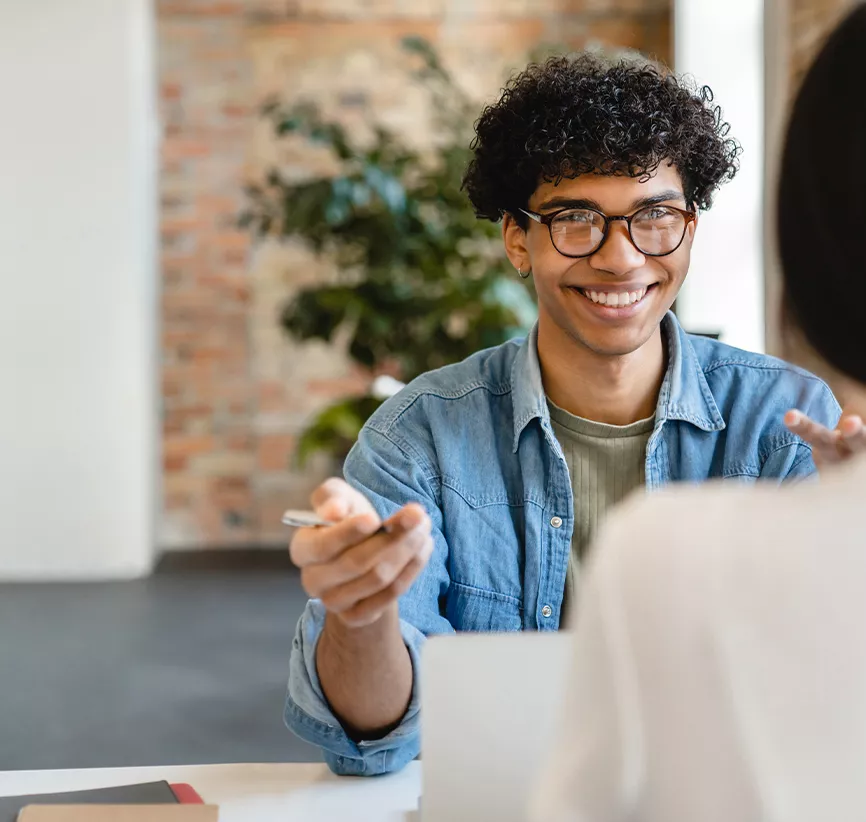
(547, 220)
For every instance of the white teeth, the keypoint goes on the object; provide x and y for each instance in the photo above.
(616, 300)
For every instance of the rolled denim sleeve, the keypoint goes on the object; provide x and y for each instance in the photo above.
(308, 715)
(389, 475)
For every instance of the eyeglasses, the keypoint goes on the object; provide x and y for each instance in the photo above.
(655, 231)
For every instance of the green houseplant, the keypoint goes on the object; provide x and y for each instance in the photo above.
(421, 282)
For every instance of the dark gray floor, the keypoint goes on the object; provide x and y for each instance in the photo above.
(184, 667)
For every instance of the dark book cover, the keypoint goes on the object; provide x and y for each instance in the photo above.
(150, 793)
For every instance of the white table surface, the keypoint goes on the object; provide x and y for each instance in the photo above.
(254, 793)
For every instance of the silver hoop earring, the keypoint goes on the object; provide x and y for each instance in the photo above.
(522, 275)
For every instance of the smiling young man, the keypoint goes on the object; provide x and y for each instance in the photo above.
(491, 476)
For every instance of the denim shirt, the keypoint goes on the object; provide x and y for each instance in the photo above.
(473, 444)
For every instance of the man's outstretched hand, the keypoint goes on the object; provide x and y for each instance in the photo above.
(359, 566)
(830, 447)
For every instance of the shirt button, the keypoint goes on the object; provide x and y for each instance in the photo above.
(556, 522)
(546, 611)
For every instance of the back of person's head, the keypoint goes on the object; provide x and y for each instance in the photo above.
(822, 204)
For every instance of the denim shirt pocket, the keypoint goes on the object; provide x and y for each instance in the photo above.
(742, 472)
(474, 609)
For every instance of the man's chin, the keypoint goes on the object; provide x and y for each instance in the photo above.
(619, 342)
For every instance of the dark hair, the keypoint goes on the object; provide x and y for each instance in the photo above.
(822, 203)
(585, 114)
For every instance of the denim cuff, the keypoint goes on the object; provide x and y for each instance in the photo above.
(308, 714)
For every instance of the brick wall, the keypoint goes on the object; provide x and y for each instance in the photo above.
(810, 23)
(235, 391)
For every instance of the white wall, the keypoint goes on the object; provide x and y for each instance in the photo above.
(721, 44)
(78, 297)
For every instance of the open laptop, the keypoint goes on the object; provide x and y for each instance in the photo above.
(490, 704)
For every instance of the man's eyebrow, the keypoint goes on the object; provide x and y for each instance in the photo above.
(568, 202)
(584, 202)
(655, 199)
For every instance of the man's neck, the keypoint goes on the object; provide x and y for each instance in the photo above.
(617, 390)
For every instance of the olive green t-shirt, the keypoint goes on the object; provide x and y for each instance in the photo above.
(605, 463)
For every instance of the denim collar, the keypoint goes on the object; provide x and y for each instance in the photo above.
(685, 394)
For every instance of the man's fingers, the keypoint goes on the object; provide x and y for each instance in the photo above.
(336, 500)
(829, 446)
(812, 432)
(853, 434)
(406, 530)
(408, 517)
(316, 545)
(365, 558)
(386, 569)
(369, 610)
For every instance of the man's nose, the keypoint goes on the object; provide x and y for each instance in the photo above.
(618, 254)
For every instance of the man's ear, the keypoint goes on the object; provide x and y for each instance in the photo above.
(693, 225)
(514, 238)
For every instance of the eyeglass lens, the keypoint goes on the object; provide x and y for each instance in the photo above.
(655, 230)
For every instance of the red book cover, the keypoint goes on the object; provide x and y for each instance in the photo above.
(186, 794)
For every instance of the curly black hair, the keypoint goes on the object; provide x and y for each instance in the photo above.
(586, 114)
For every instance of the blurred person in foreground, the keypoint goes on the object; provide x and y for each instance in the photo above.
(491, 475)
(719, 666)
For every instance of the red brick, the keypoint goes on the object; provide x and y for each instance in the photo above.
(237, 111)
(231, 485)
(232, 240)
(172, 338)
(231, 494)
(810, 23)
(234, 287)
(175, 502)
(178, 420)
(214, 204)
(271, 395)
(614, 31)
(239, 442)
(172, 463)
(187, 446)
(339, 386)
(217, 8)
(182, 149)
(172, 386)
(274, 451)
